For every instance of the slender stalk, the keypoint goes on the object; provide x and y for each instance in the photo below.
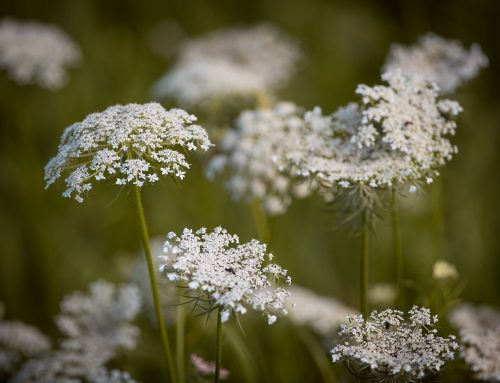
(218, 347)
(437, 219)
(364, 266)
(261, 222)
(179, 343)
(169, 362)
(318, 354)
(396, 242)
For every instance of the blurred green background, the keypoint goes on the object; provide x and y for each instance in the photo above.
(50, 246)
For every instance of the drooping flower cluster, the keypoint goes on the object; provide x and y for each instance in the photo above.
(230, 276)
(131, 144)
(387, 345)
(480, 336)
(397, 135)
(323, 314)
(247, 155)
(228, 63)
(18, 341)
(36, 53)
(95, 326)
(446, 62)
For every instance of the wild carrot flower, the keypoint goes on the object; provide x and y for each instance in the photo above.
(387, 346)
(444, 61)
(18, 341)
(247, 156)
(397, 135)
(36, 53)
(225, 274)
(130, 144)
(382, 294)
(479, 328)
(442, 270)
(230, 62)
(95, 326)
(323, 314)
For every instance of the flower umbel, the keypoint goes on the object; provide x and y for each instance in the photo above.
(130, 144)
(36, 53)
(480, 336)
(228, 275)
(249, 153)
(446, 62)
(388, 346)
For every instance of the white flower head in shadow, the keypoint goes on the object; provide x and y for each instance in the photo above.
(224, 274)
(479, 328)
(230, 62)
(129, 144)
(95, 327)
(444, 61)
(248, 157)
(387, 346)
(18, 341)
(36, 53)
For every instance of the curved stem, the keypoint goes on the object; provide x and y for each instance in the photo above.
(396, 242)
(364, 266)
(179, 343)
(218, 347)
(169, 362)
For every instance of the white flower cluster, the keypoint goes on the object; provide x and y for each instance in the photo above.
(130, 143)
(207, 369)
(382, 294)
(231, 275)
(18, 341)
(446, 62)
(323, 314)
(397, 135)
(247, 155)
(95, 326)
(36, 53)
(391, 346)
(230, 62)
(480, 335)
(442, 270)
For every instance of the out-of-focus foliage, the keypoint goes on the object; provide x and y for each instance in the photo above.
(50, 246)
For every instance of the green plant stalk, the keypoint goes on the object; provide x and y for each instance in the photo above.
(218, 346)
(364, 266)
(169, 362)
(318, 354)
(398, 255)
(261, 222)
(179, 343)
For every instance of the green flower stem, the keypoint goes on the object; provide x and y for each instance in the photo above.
(179, 343)
(396, 242)
(261, 222)
(318, 354)
(218, 347)
(154, 287)
(364, 266)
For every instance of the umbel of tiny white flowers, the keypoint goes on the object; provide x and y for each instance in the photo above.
(36, 53)
(229, 276)
(388, 347)
(230, 63)
(95, 325)
(247, 155)
(479, 328)
(444, 61)
(128, 144)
